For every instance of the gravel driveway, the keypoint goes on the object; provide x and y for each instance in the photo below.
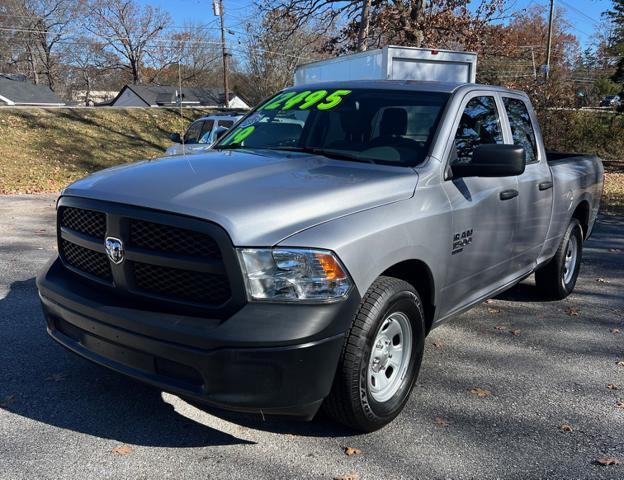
(62, 417)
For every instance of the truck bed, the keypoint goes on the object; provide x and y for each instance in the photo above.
(554, 157)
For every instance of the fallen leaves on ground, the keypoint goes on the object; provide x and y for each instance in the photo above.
(608, 461)
(494, 311)
(566, 427)
(615, 331)
(602, 280)
(479, 392)
(348, 476)
(440, 421)
(437, 344)
(489, 301)
(613, 386)
(350, 451)
(10, 400)
(620, 363)
(572, 311)
(123, 450)
(620, 404)
(500, 328)
(515, 332)
(57, 377)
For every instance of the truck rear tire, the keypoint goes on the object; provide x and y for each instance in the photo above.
(381, 357)
(557, 278)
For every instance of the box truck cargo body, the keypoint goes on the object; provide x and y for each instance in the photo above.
(393, 63)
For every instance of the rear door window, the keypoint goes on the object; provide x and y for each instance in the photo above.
(521, 127)
(479, 125)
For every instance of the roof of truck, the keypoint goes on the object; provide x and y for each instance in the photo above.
(414, 85)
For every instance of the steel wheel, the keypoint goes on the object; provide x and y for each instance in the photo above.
(571, 256)
(390, 357)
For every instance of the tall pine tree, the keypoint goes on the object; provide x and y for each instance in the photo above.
(616, 16)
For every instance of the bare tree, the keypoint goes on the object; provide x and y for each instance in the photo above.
(88, 63)
(130, 31)
(363, 23)
(274, 48)
(39, 29)
(193, 50)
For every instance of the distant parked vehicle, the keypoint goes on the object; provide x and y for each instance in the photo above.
(612, 101)
(202, 134)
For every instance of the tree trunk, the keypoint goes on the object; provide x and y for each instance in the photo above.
(33, 66)
(362, 43)
(416, 12)
(136, 74)
(48, 69)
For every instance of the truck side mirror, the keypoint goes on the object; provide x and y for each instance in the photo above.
(493, 160)
(175, 137)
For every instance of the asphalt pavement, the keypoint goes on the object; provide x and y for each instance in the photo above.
(539, 366)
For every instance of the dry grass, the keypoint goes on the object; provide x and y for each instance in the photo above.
(613, 194)
(44, 150)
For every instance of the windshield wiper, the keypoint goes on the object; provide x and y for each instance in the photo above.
(335, 154)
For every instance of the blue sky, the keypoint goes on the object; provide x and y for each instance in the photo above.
(583, 15)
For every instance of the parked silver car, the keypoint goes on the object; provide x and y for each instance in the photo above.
(202, 134)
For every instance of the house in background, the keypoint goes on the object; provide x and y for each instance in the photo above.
(16, 90)
(166, 96)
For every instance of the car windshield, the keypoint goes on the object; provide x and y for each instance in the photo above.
(378, 126)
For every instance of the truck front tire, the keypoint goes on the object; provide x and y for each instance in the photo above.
(557, 278)
(381, 357)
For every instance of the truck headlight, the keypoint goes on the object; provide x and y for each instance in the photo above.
(294, 274)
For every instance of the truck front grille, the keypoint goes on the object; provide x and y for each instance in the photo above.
(86, 260)
(84, 221)
(168, 258)
(181, 284)
(165, 238)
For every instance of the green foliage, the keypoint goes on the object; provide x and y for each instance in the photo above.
(589, 131)
(616, 40)
(605, 86)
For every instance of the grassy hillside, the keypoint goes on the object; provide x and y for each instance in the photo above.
(43, 150)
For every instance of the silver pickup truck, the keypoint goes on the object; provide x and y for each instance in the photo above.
(302, 262)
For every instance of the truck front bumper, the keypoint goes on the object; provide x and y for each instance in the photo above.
(266, 358)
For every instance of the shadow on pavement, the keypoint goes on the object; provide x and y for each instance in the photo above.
(42, 381)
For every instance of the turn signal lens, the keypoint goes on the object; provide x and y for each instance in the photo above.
(330, 266)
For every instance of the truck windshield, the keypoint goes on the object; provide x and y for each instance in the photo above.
(378, 126)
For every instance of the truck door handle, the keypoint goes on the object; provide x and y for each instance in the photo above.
(545, 185)
(508, 194)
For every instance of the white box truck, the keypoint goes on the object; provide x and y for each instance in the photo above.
(393, 63)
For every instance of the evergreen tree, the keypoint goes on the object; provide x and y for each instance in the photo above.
(616, 16)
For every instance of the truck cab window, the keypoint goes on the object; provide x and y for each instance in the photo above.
(193, 133)
(479, 124)
(521, 127)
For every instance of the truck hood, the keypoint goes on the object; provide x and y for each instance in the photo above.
(260, 198)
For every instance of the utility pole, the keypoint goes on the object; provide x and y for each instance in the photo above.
(549, 44)
(218, 10)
